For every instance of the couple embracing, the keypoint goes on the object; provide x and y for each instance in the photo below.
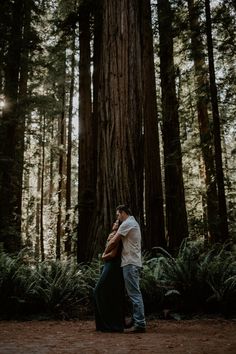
(122, 264)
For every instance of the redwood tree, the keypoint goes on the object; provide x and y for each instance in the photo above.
(224, 234)
(68, 230)
(119, 113)
(176, 216)
(12, 126)
(154, 214)
(206, 136)
(86, 136)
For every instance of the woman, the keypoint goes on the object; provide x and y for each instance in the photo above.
(109, 291)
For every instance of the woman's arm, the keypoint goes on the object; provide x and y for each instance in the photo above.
(111, 254)
(112, 246)
(112, 243)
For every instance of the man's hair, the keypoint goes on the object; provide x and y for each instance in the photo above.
(125, 208)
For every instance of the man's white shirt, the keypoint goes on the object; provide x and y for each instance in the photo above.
(131, 239)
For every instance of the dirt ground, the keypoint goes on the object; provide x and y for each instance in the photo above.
(180, 337)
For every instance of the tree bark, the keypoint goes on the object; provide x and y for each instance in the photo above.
(12, 126)
(41, 238)
(86, 138)
(206, 138)
(61, 166)
(120, 161)
(68, 230)
(176, 216)
(224, 233)
(38, 209)
(154, 213)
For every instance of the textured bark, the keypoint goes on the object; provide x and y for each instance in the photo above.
(12, 126)
(61, 166)
(38, 211)
(86, 138)
(224, 234)
(41, 238)
(120, 165)
(176, 216)
(68, 230)
(154, 214)
(206, 138)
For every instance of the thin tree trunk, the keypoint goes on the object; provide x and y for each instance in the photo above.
(61, 142)
(68, 230)
(202, 175)
(176, 216)
(22, 103)
(26, 186)
(224, 234)
(154, 213)
(42, 189)
(51, 181)
(38, 208)
(206, 137)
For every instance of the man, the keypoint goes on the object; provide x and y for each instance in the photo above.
(131, 263)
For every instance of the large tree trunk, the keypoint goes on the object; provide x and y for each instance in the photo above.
(206, 137)
(154, 214)
(12, 127)
(224, 234)
(176, 216)
(86, 138)
(120, 165)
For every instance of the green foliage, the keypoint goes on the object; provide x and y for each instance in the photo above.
(182, 274)
(199, 279)
(55, 289)
(218, 272)
(13, 283)
(152, 290)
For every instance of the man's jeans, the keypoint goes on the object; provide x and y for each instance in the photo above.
(131, 278)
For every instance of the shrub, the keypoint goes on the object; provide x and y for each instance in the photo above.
(218, 275)
(63, 289)
(14, 275)
(197, 279)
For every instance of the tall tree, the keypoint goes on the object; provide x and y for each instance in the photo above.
(176, 216)
(12, 126)
(119, 159)
(5, 21)
(61, 144)
(68, 230)
(216, 128)
(86, 136)
(154, 214)
(206, 138)
(42, 181)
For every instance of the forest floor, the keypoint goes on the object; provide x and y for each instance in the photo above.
(204, 336)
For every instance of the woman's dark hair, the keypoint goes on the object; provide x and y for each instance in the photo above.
(119, 222)
(125, 208)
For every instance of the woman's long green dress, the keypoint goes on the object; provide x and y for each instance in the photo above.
(109, 298)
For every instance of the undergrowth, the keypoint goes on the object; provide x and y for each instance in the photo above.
(197, 280)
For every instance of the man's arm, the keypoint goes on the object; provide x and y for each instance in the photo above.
(111, 254)
(112, 243)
